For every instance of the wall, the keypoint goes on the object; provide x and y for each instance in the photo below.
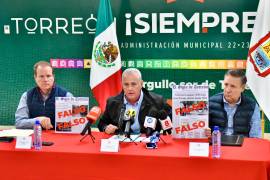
(153, 42)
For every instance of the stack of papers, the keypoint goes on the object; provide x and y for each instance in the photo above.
(16, 132)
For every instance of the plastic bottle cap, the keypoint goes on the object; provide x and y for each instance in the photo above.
(216, 128)
(37, 122)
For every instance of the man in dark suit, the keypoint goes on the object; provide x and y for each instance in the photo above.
(135, 97)
(232, 111)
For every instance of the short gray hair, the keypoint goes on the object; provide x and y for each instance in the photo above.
(132, 71)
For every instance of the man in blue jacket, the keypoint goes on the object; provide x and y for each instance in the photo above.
(232, 111)
(39, 102)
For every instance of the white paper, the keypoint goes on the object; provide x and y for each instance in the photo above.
(109, 145)
(199, 149)
(70, 114)
(190, 111)
(23, 142)
(16, 132)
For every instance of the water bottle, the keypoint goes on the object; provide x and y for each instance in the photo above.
(37, 135)
(216, 142)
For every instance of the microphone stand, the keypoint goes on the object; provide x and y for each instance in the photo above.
(127, 136)
(89, 133)
(131, 140)
(168, 131)
(120, 133)
(162, 140)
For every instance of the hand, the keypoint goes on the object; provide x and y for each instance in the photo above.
(207, 132)
(45, 122)
(110, 129)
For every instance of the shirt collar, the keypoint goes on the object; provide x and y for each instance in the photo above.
(138, 102)
(48, 92)
(45, 96)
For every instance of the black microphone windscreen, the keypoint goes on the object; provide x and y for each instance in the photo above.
(121, 116)
(153, 113)
(163, 114)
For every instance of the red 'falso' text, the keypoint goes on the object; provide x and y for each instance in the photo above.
(189, 127)
(74, 111)
(75, 122)
(199, 106)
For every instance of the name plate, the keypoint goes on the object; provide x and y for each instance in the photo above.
(199, 149)
(109, 145)
(23, 142)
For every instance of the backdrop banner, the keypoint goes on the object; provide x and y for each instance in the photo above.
(185, 42)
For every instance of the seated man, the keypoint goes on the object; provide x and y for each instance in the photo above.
(233, 112)
(39, 102)
(133, 96)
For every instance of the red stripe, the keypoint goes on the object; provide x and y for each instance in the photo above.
(107, 88)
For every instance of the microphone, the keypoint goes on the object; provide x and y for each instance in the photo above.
(150, 123)
(121, 119)
(129, 119)
(92, 117)
(166, 122)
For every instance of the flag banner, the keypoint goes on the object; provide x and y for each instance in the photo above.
(105, 75)
(258, 63)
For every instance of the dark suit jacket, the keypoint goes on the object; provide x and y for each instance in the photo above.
(150, 102)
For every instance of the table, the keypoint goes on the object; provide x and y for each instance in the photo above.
(69, 158)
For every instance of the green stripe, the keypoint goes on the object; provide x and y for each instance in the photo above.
(104, 18)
